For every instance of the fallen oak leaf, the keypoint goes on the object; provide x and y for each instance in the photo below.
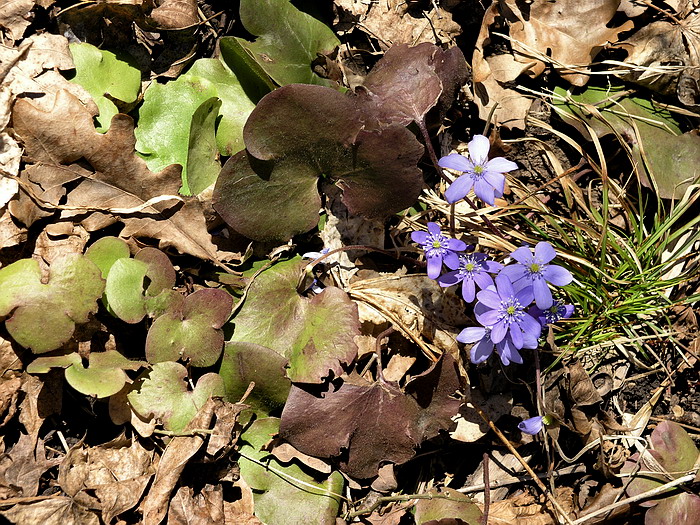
(58, 138)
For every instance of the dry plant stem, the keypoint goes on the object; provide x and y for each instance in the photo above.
(513, 480)
(562, 513)
(639, 497)
(487, 490)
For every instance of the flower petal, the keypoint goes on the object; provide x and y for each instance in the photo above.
(531, 426)
(525, 295)
(488, 318)
(468, 290)
(459, 188)
(544, 252)
(531, 328)
(543, 295)
(483, 279)
(516, 335)
(501, 165)
(504, 286)
(484, 191)
(434, 267)
(457, 162)
(434, 228)
(456, 245)
(557, 275)
(451, 260)
(449, 279)
(471, 334)
(568, 311)
(514, 272)
(419, 237)
(495, 180)
(479, 148)
(481, 351)
(493, 267)
(489, 298)
(499, 331)
(523, 255)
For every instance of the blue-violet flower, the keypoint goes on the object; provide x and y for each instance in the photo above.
(474, 269)
(531, 426)
(438, 249)
(535, 270)
(551, 315)
(484, 175)
(503, 311)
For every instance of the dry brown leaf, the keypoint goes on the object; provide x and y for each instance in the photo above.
(10, 233)
(24, 464)
(470, 426)
(241, 511)
(394, 22)
(176, 14)
(203, 508)
(285, 453)
(9, 392)
(524, 510)
(489, 74)
(662, 44)
(66, 134)
(53, 511)
(111, 477)
(226, 417)
(15, 17)
(571, 32)
(10, 156)
(415, 305)
(60, 239)
(172, 463)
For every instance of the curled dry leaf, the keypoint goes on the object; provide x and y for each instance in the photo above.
(415, 305)
(571, 32)
(395, 22)
(60, 137)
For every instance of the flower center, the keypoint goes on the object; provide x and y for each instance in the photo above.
(436, 245)
(511, 310)
(478, 172)
(469, 267)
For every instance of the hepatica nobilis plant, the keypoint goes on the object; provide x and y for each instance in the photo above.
(504, 293)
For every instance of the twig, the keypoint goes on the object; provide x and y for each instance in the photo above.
(512, 480)
(562, 513)
(639, 497)
(487, 490)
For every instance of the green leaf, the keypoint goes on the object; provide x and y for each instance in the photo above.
(244, 363)
(44, 315)
(167, 116)
(125, 294)
(661, 153)
(288, 494)
(315, 334)
(101, 73)
(203, 165)
(288, 40)
(192, 331)
(448, 504)
(106, 251)
(162, 393)
(104, 377)
(255, 82)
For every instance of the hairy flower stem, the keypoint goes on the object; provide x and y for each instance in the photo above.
(433, 158)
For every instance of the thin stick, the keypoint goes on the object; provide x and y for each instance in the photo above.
(644, 495)
(535, 478)
(487, 490)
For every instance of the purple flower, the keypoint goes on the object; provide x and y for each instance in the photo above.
(535, 271)
(484, 175)
(503, 311)
(551, 315)
(315, 255)
(474, 269)
(438, 248)
(531, 426)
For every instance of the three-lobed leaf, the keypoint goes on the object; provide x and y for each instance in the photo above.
(43, 316)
